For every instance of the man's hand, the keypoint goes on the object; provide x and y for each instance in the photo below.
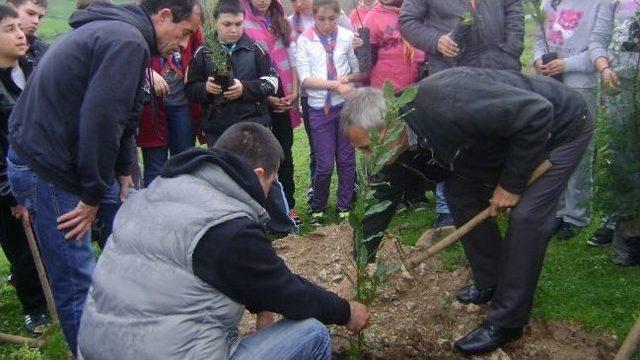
(126, 182)
(160, 86)
(21, 213)
(447, 47)
(359, 317)
(78, 221)
(264, 319)
(211, 87)
(552, 68)
(537, 66)
(234, 91)
(502, 199)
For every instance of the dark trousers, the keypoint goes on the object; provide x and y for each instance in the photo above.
(15, 247)
(304, 102)
(409, 171)
(281, 127)
(513, 264)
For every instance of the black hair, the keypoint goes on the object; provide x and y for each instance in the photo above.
(7, 12)
(180, 9)
(253, 143)
(333, 4)
(279, 24)
(17, 3)
(227, 7)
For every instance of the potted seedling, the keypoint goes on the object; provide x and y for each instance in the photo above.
(538, 15)
(218, 54)
(462, 31)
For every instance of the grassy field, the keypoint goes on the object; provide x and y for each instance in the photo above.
(578, 283)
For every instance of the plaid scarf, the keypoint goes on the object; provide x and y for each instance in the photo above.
(329, 43)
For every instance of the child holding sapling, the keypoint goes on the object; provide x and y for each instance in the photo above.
(561, 51)
(253, 78)
(327, 65)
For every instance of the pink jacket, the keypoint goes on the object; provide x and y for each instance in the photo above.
(397, 61)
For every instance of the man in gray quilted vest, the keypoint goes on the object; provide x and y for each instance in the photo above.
(189, 254)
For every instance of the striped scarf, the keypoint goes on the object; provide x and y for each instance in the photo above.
(296, 21)
(329, 43)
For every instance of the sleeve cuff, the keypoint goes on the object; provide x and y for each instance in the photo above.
(90, 198)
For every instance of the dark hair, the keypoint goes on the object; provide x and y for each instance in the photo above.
(253, 143)
(18, 3)
(334, 4)
(7, 12)
(180, 9)
(279, 23)
(83, 4)
(227, 7)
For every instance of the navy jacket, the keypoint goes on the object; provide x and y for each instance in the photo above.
(74, 124)
(495, 126)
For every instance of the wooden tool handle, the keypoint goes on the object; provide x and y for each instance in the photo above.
(470, 225)
(630, 343)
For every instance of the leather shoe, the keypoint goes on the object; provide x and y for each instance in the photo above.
(471, 294)
(486, 338)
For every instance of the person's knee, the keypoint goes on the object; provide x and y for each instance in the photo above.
(318, 333)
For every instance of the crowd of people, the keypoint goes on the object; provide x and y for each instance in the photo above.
(186, 241)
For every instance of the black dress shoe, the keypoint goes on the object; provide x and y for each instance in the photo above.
(471, 294)
(486, 338)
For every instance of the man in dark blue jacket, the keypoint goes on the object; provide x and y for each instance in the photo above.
(71, 132)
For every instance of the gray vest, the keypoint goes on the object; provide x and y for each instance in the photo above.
(145, 301)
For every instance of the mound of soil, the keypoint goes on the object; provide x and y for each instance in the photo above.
(416, 315)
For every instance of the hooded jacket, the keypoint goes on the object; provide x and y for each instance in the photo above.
(196, 241)
(74, 122)
(495, 126)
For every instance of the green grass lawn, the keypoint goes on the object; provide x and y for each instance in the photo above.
(578, 283)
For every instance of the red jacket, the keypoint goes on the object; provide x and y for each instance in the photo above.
(153, 132)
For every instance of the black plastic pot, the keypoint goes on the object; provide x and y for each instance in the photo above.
(461, 35)
(363, 53)
(225, 80)
(549, 57)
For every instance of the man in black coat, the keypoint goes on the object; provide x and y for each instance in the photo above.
(71, 132)
(485, 131)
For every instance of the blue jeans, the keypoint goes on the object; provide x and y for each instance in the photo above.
(69, 264)
(287, 340)
(181, 137)
(109, 206)
(441, 200)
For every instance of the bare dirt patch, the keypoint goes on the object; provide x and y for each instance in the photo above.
(416, 315)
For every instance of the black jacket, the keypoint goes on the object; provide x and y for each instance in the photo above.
(237, 258)
(9, 93)
(495, 126)
(252, 66)
(37, 48)
(74, 124)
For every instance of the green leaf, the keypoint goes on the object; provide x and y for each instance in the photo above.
(388, 90)
(378, 208)
(408, 95)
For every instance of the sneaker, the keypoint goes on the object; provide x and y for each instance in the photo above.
(568, 230)
(443, 220)
(602, 237)
(309, 195)
(11, 280)
(626, 251)
(296, 218)
(402, 207)
(342, 214)
(317, 218)
(421, 206)
(35, 324)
